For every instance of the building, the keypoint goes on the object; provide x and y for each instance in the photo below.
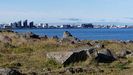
(25, 24)
(19, 24)
(31, 24)
(14, 25)
(88, 25)
(65, 26)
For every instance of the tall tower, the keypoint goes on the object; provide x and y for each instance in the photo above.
(31, 24)
(19, 24)
(25, 23)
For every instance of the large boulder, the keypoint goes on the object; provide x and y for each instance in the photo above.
(68, 38)
(67, 57)
(106, 56)
(124, 53)
(92, 53)
(31, 35)
(70, 56)
(67, 34)
(8, 71)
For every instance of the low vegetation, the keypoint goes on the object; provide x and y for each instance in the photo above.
(30, 56)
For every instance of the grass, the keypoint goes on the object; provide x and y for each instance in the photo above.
(30, 56)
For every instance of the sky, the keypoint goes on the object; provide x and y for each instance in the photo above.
(66, 11)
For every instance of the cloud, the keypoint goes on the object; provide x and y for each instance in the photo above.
(130, 18)
(103, 20)
(71, 19)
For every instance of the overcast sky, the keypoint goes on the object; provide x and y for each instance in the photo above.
(54, 11)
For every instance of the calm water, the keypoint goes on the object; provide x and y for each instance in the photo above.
(92, 34)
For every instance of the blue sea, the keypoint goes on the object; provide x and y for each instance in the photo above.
(86, 34)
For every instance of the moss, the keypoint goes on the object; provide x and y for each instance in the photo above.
(52, 63)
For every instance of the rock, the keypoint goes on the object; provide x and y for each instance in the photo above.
(92, 53)
(85, 44)
(31, 35)
(129, 55)
(67, 57)
(47, 69)
(68, 38)
(71, 70)
(95, 70)
(106, 56)
(33, 73)
(15, 35)
(93, 42)
(7, 45)
(61, 72)
(5, 38)
(66, 34)
(43, 37)
(100, 45)
(8, 71)
(79, 70)
(115, 41)
(129, 41)
(75, 70)
(123, 53)
(55, 37)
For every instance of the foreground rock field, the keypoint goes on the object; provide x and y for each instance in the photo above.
(32, 54)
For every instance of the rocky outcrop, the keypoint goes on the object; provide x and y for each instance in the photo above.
(8, 71)
(15, 35)
(100, 45)
(7, 45)
(93, 42)
(43, 37)
(92, 53)
(67, 57)
(5, 38)
(106, 56)
(68, 38)
(55, 37)
(70, 56)
(30, 35)
(129, 41)
(124, 53)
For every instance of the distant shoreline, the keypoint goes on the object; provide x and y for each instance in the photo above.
(66, 28)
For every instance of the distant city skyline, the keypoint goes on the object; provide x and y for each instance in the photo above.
(67, 11)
